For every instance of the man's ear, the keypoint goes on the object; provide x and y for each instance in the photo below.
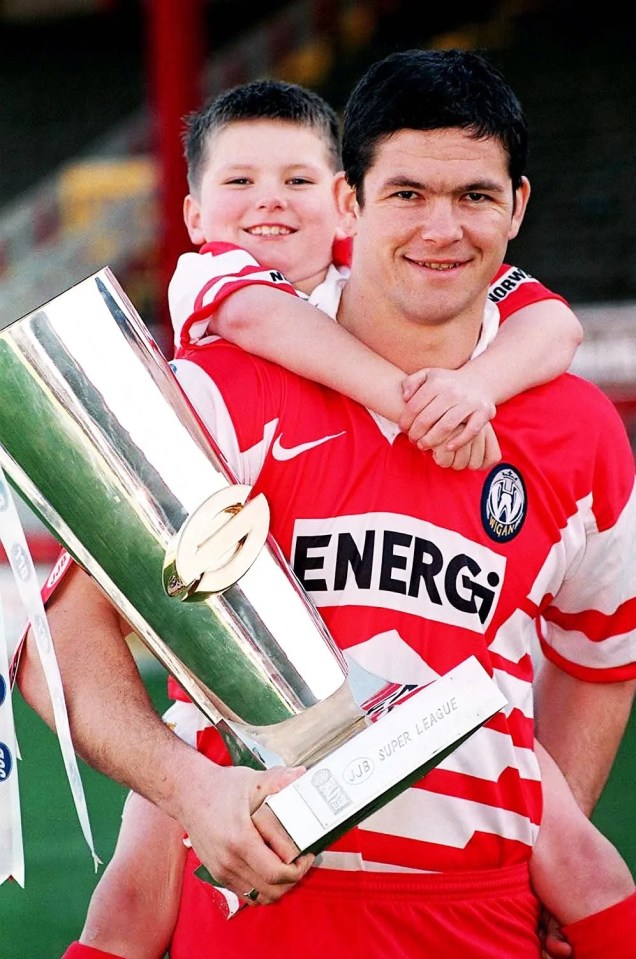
(346, 204)
(522, 195)
(192, 219)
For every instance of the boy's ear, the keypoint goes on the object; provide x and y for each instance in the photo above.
(192, 219)
(346, 204)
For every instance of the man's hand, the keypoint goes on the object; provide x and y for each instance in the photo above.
(447, 412)
(238, 853)
(553, 945)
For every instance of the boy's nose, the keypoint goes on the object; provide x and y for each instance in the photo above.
(272, 200)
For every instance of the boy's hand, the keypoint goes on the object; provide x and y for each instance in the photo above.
(481, 453)
(444, 407)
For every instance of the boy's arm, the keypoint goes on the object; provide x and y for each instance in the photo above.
(289, 331)
(534, 345)
(447, 412)
(224, 291)
(302, 338)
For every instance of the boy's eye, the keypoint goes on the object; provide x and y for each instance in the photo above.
(238, 181)
(300, 180)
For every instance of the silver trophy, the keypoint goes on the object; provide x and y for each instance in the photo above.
(97, 435)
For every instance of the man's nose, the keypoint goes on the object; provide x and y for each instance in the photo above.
(440, 221)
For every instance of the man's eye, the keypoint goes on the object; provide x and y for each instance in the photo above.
(476, 197)
(405, 194)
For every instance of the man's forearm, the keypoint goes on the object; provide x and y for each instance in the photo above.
(114, 726)
(581, 725)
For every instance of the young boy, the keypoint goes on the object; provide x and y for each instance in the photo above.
(261, 159)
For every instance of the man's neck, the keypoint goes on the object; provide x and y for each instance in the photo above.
(407, 342)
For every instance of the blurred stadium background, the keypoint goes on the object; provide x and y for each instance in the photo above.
(91, 174)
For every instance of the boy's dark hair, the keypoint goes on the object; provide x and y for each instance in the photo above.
(259, 100)
(431, 90)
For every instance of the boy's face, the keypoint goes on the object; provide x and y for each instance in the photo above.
(267, 186)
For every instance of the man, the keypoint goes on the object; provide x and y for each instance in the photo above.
(413, 570)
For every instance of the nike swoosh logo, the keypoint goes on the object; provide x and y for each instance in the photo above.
(282, 453)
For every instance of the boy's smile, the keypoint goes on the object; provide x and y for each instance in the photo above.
(267, 186)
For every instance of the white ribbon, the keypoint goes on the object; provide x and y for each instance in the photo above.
(15, 545)
(11, 852)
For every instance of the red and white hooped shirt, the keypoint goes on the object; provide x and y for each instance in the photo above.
(411, 586)
(414, 568)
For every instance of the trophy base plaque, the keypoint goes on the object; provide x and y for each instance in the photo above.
(380, 762)
(374, 766)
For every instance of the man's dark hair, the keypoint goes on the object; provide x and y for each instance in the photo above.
(431, 90)
(259, 100)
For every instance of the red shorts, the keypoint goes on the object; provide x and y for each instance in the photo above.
(357, 915)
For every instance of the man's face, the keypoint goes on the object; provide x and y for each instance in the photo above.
(267, 186)
(433, 229)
